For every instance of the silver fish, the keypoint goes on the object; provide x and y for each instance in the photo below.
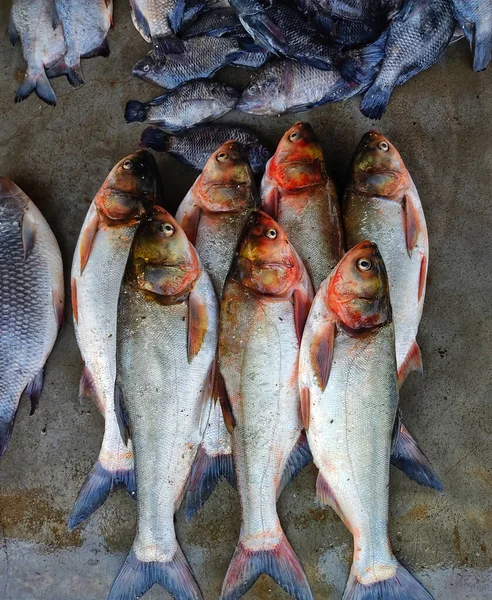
(349, 398)
(31, 302)
(475, 18)
(100, 257)
(42, 46)
(168, 316)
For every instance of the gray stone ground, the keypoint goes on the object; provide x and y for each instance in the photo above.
(442, 123)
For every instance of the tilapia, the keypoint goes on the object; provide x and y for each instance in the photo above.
(100, 258)
(31, 302)
(167, 338)
(349, 398)
(195, 147)
(251, 60)
(213, 214)
(297, 191)
(188, 105)
(381, 203)
(475, 18)
(215, 22)
(85, 27)
(31, 23)
(417, 38)
(265, 302)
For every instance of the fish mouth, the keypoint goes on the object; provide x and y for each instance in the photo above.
(273, 265)
(227, 186)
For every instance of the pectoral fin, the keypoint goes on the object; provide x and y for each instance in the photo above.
(302, 304)
(190, 221)
(321, 352)
(87, 240)
(121, 414)
(197, 324)
(270, 203)
(29, 229)
(412, 223)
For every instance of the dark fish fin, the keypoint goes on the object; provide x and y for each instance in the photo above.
(249, 45)
(141, 21)
(176, 15)
(205, 475)
(55, 18)
(302, 304)
(482, 48)
(29, 229)
(135, 112)
(101, 50)
(121, 414)
(360, 65)
(58, 306)
(411, 7)
(73, 74)
(458, 34)
(268, 29)
(155, 139)
(321, 352)
(167, 44)
(34, 389)
(375, 101)
(13, 33)
(97, 487)
(409, 458)
(5, 434)
(87, 240)
(402, 585)
(325, 496)
(280, 563)
(412, 362)
(411, 222)
(298, 459)
(39, 84)
(137, 577)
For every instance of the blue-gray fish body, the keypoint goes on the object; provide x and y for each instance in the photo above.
(216, 22)
(475, 18)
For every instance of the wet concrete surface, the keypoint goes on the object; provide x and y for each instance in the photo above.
(441, 121)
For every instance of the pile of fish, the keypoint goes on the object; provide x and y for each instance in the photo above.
(307, 52)
(253, 332)
(55, 36)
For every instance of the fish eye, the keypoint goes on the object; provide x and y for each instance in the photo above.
(364, 264)
(253, 89)
(167, 229)
(128, 165)
(383, 146)
(146, 68)
(271, 233)
(295, 135)
(222, 156)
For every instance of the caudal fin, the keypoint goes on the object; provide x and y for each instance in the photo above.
(375, 101)
(96, 490)
(135, 112)
(280, 563)
(137, 577)
(360, 66)
(155, 139)
(39, 84)
(5, 434)
(205, 475)
(482, 49)
(402, 586)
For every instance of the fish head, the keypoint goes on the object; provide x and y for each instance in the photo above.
(227, 182)
(130, 189)
(264, 86)
(358, 291)
(164, 261)
(149, 68)
(224, 94)
(378, 168)
(13, 201)
(298, 161)
(265, 261)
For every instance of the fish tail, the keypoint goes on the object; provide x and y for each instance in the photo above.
(162, 45)
(5, 434)
(39, 84)
(135, 112)
(155, 139)
(136, 577)
(360, 66)
(375, 101)
(482, 49)
(73, 73)
(401, 585)
(298, 459)
(96, 490)
(205, 475)
(280, 563)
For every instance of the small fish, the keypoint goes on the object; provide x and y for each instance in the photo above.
(475, 18)
(188, 105)
(216, 22)
(31, 22)
(31, 302)
(85, 27)
(168, 316)
(213, 215)
(99, 262)
(417, 38)
(349, 399)
(195, 147)
(297, 191)
(265, 302)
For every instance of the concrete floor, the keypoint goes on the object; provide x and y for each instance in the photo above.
(441, 122)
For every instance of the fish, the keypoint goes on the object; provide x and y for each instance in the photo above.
(349, 400)
(202, 57)
(195, 147)
(251, 60)
(124, 200)
(168, 315)
(416, 39)
(297, 191)
(264, 305)
(188, 105)
(31, 22)
(85, 28)
(216, 22)
(381, 203)
(475, 18)
(31, 302)
(213, 215)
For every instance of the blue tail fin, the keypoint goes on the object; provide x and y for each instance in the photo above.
(135, 112)
(375, 101)
(403, 586)
(280, 563)
(155, 139)
(39, 84)
(96, 490)
(5, 433)
(298, 459)
(360, 66)
(206, 473)
(137, 577)
(482, 50)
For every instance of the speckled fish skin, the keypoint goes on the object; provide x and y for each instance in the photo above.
(188, 105)
(101, 255)
(195, 147)
(258, 356)
(417, 38)
(381, 203)
(167, 293)
(297, 191)
(349, 392)
(31, 301)
(475, 18)
(31, 22)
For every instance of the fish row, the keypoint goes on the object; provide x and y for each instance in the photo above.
(238, 343)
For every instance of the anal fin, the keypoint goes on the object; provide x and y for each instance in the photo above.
(298, 459)
(412, 362)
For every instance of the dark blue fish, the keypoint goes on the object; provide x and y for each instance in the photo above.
(475, 18)
(216, 22)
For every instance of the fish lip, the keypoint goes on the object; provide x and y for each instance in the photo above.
(231, 186)
(272, 264)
